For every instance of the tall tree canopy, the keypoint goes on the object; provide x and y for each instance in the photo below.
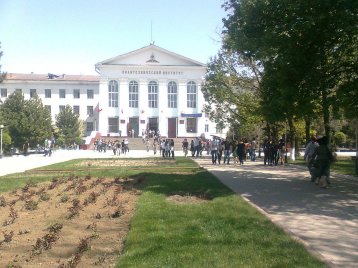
(308, 50)
(25, 120)
(2, 75)
(69, 126)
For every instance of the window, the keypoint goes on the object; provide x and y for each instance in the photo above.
(153, 94)
(89, 126)
(191, 125)
(172, 95)
(76, 93)
(48, 107)
(76, 109)
(133, 94)
(206, 128)
(191, 94)
(47, 93)
(113, 93)
(113, 124)
(62, 93)
(90, 110)
(32, 92)
(89, 93)
(18, 90)
(3, 92)
(62, 108)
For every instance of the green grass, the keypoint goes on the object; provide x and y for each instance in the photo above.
(224, 231)
(343, 165)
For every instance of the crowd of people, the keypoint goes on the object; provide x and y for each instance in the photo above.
(317, 154)
(118, 147)
(222, 149)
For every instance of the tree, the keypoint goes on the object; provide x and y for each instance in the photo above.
(307, 53)
(69, 126)
(26, 120)
(230, 90)
(2, 75)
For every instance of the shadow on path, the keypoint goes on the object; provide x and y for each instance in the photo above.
(326, 220)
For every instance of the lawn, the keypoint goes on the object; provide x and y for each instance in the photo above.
(343, 165)
(183, 217)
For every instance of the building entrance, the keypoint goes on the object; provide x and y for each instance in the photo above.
(133, 126)
(153, 124)
(172, 127)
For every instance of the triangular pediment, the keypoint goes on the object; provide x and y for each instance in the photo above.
(151, 55)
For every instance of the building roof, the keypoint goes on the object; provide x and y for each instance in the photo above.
(50, 77)
(150, 59)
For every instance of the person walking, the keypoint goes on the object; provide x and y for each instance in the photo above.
(185, 146)
(214, 150)
(253, 149)
(309, 151)
(227, 152)
(322, 158)
(220, 151)
(192, 148)
(241, 151)
(171, 143)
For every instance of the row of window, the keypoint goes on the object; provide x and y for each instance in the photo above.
(75, 108)
(113, 126)
(172, 92)
(48, 93)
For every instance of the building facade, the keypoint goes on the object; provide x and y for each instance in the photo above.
(149, 89)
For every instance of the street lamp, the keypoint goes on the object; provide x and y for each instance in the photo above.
(1, 128)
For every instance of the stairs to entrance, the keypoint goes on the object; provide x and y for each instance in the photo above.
(137, 143)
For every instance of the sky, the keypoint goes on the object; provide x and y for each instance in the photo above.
(71, 36)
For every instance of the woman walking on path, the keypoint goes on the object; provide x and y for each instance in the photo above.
(322, 158)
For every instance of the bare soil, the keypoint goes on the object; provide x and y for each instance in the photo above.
(72, 222)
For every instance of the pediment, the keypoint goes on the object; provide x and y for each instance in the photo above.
(151, 55)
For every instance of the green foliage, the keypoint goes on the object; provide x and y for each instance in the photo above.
(2, 75)
(309, 57)
(230, 90)
(68, 125)
(25, 120)
(340, 138)
(6, 141)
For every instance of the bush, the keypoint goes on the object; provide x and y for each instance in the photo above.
(340, 138)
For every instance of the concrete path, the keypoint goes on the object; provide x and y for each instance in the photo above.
(20, 163)
(324, 220)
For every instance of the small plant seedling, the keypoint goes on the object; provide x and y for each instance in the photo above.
(2, 201)
(31, 205)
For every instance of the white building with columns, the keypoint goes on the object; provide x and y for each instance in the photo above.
(152, 89)
(147, 89)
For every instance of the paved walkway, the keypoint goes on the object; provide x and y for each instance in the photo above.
(324, 220)
(20, 163)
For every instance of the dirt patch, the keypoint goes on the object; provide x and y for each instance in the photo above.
(69, 222)
(188, 198)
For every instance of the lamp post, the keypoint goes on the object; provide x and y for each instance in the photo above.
(1, 128)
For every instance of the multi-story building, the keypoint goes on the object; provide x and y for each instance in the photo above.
(147, 89)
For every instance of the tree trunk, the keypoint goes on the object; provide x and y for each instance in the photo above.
(291, 135)
(307, 129)
(326, 115)
(356, 148)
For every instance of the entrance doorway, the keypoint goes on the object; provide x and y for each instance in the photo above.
(153, 124)
(172, 127)
(133, 125)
